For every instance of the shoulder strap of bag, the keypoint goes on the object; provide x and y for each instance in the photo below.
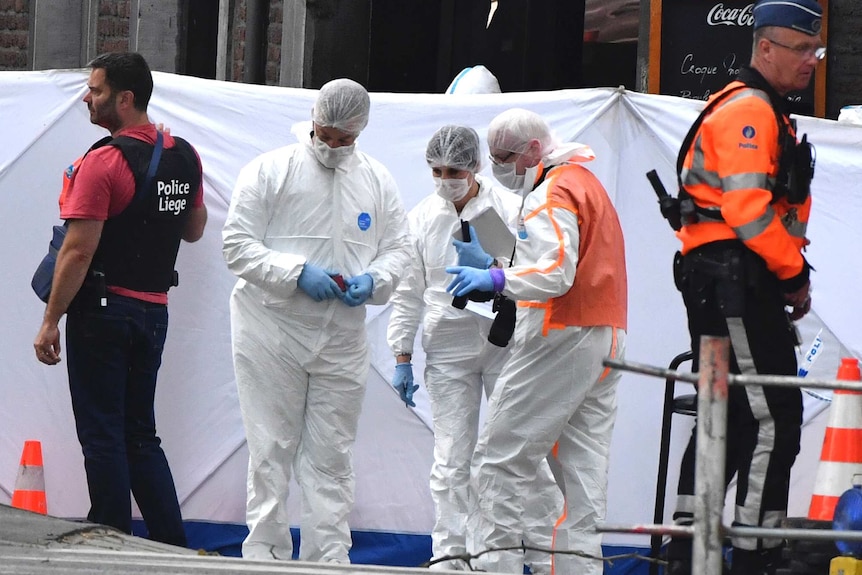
(151, 171)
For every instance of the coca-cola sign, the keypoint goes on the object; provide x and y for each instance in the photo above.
(704, 45)
(721, 16)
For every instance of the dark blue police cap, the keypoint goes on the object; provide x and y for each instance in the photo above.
(802, 15)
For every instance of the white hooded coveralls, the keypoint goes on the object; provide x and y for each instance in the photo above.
(301, 365)
(460, 363)
(553, 393)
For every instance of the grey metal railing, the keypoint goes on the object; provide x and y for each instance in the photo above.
(712, 382)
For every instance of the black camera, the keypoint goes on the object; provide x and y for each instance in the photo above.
(460, 302)
(476, 295)
(504, 324)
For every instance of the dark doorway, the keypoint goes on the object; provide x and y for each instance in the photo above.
(403, 50)
(533, 45)
(201, 39)
(527, 45)
(421, 46)
(610, 65)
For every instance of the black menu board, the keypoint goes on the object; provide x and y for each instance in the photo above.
(701, 46)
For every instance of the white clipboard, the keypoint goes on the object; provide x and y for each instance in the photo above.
(493, 233)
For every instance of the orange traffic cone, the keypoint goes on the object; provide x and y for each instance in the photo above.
(30, 484)
(841, 456)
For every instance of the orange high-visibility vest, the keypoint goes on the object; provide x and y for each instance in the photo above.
(732, 166)
(599, 294)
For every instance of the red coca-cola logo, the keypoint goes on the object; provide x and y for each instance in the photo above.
(721, 16)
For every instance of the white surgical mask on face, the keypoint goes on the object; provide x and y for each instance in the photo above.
(451, 189)
(331, 157)
(505, 174)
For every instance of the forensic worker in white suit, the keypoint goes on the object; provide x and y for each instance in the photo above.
(315, 231)
(554, 394)
(460, 361)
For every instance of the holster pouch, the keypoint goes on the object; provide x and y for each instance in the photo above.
(730, 290)
(678, 273)
(725, 270)
(795, 170)
(803, 164)
(93, 292)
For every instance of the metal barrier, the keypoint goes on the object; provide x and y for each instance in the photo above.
(712, 384)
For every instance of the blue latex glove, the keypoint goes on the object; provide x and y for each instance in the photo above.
(471, 253)
(318, 283)
(403, 382)
(469, 279)
(358, 290)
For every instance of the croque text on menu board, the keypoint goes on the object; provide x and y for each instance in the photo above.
(700, 46)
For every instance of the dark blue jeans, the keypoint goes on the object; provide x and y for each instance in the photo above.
(113, 356)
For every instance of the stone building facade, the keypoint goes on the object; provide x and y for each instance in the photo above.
(304, 43)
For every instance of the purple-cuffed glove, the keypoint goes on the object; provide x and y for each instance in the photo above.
(469, 279)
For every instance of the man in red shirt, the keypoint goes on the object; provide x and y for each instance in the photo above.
(111, 278)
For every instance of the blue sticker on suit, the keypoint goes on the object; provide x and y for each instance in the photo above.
(364, 221)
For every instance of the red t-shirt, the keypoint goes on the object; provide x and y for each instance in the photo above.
(101, 185)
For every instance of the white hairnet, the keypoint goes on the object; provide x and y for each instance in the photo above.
(454, 147)
(342, 104)
(515, 128)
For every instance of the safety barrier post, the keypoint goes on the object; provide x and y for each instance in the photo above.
(712, 381)
(711, 439)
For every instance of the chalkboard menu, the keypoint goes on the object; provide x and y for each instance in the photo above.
(700, 46)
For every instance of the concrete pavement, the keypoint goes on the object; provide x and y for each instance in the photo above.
(33, 544)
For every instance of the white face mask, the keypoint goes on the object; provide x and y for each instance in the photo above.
(452, 189)
(505, 174)
(331, 157)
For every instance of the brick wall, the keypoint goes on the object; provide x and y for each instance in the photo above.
(113, 26)
(844, 73)
(273, 35)
(237, 42)
(14, 34)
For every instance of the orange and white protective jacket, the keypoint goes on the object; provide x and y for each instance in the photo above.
(731, 168)
(571, 265)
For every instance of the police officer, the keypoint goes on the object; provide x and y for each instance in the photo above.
(127, 204)
(745, 182)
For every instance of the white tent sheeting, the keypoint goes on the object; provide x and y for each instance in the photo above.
(47, 126)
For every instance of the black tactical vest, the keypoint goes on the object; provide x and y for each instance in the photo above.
(138, 247)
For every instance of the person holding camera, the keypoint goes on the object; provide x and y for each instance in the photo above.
(460, 360)
(554, 394)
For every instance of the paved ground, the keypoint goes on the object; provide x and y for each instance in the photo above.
(32, 544)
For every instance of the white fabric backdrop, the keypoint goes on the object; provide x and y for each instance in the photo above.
(46, 126)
